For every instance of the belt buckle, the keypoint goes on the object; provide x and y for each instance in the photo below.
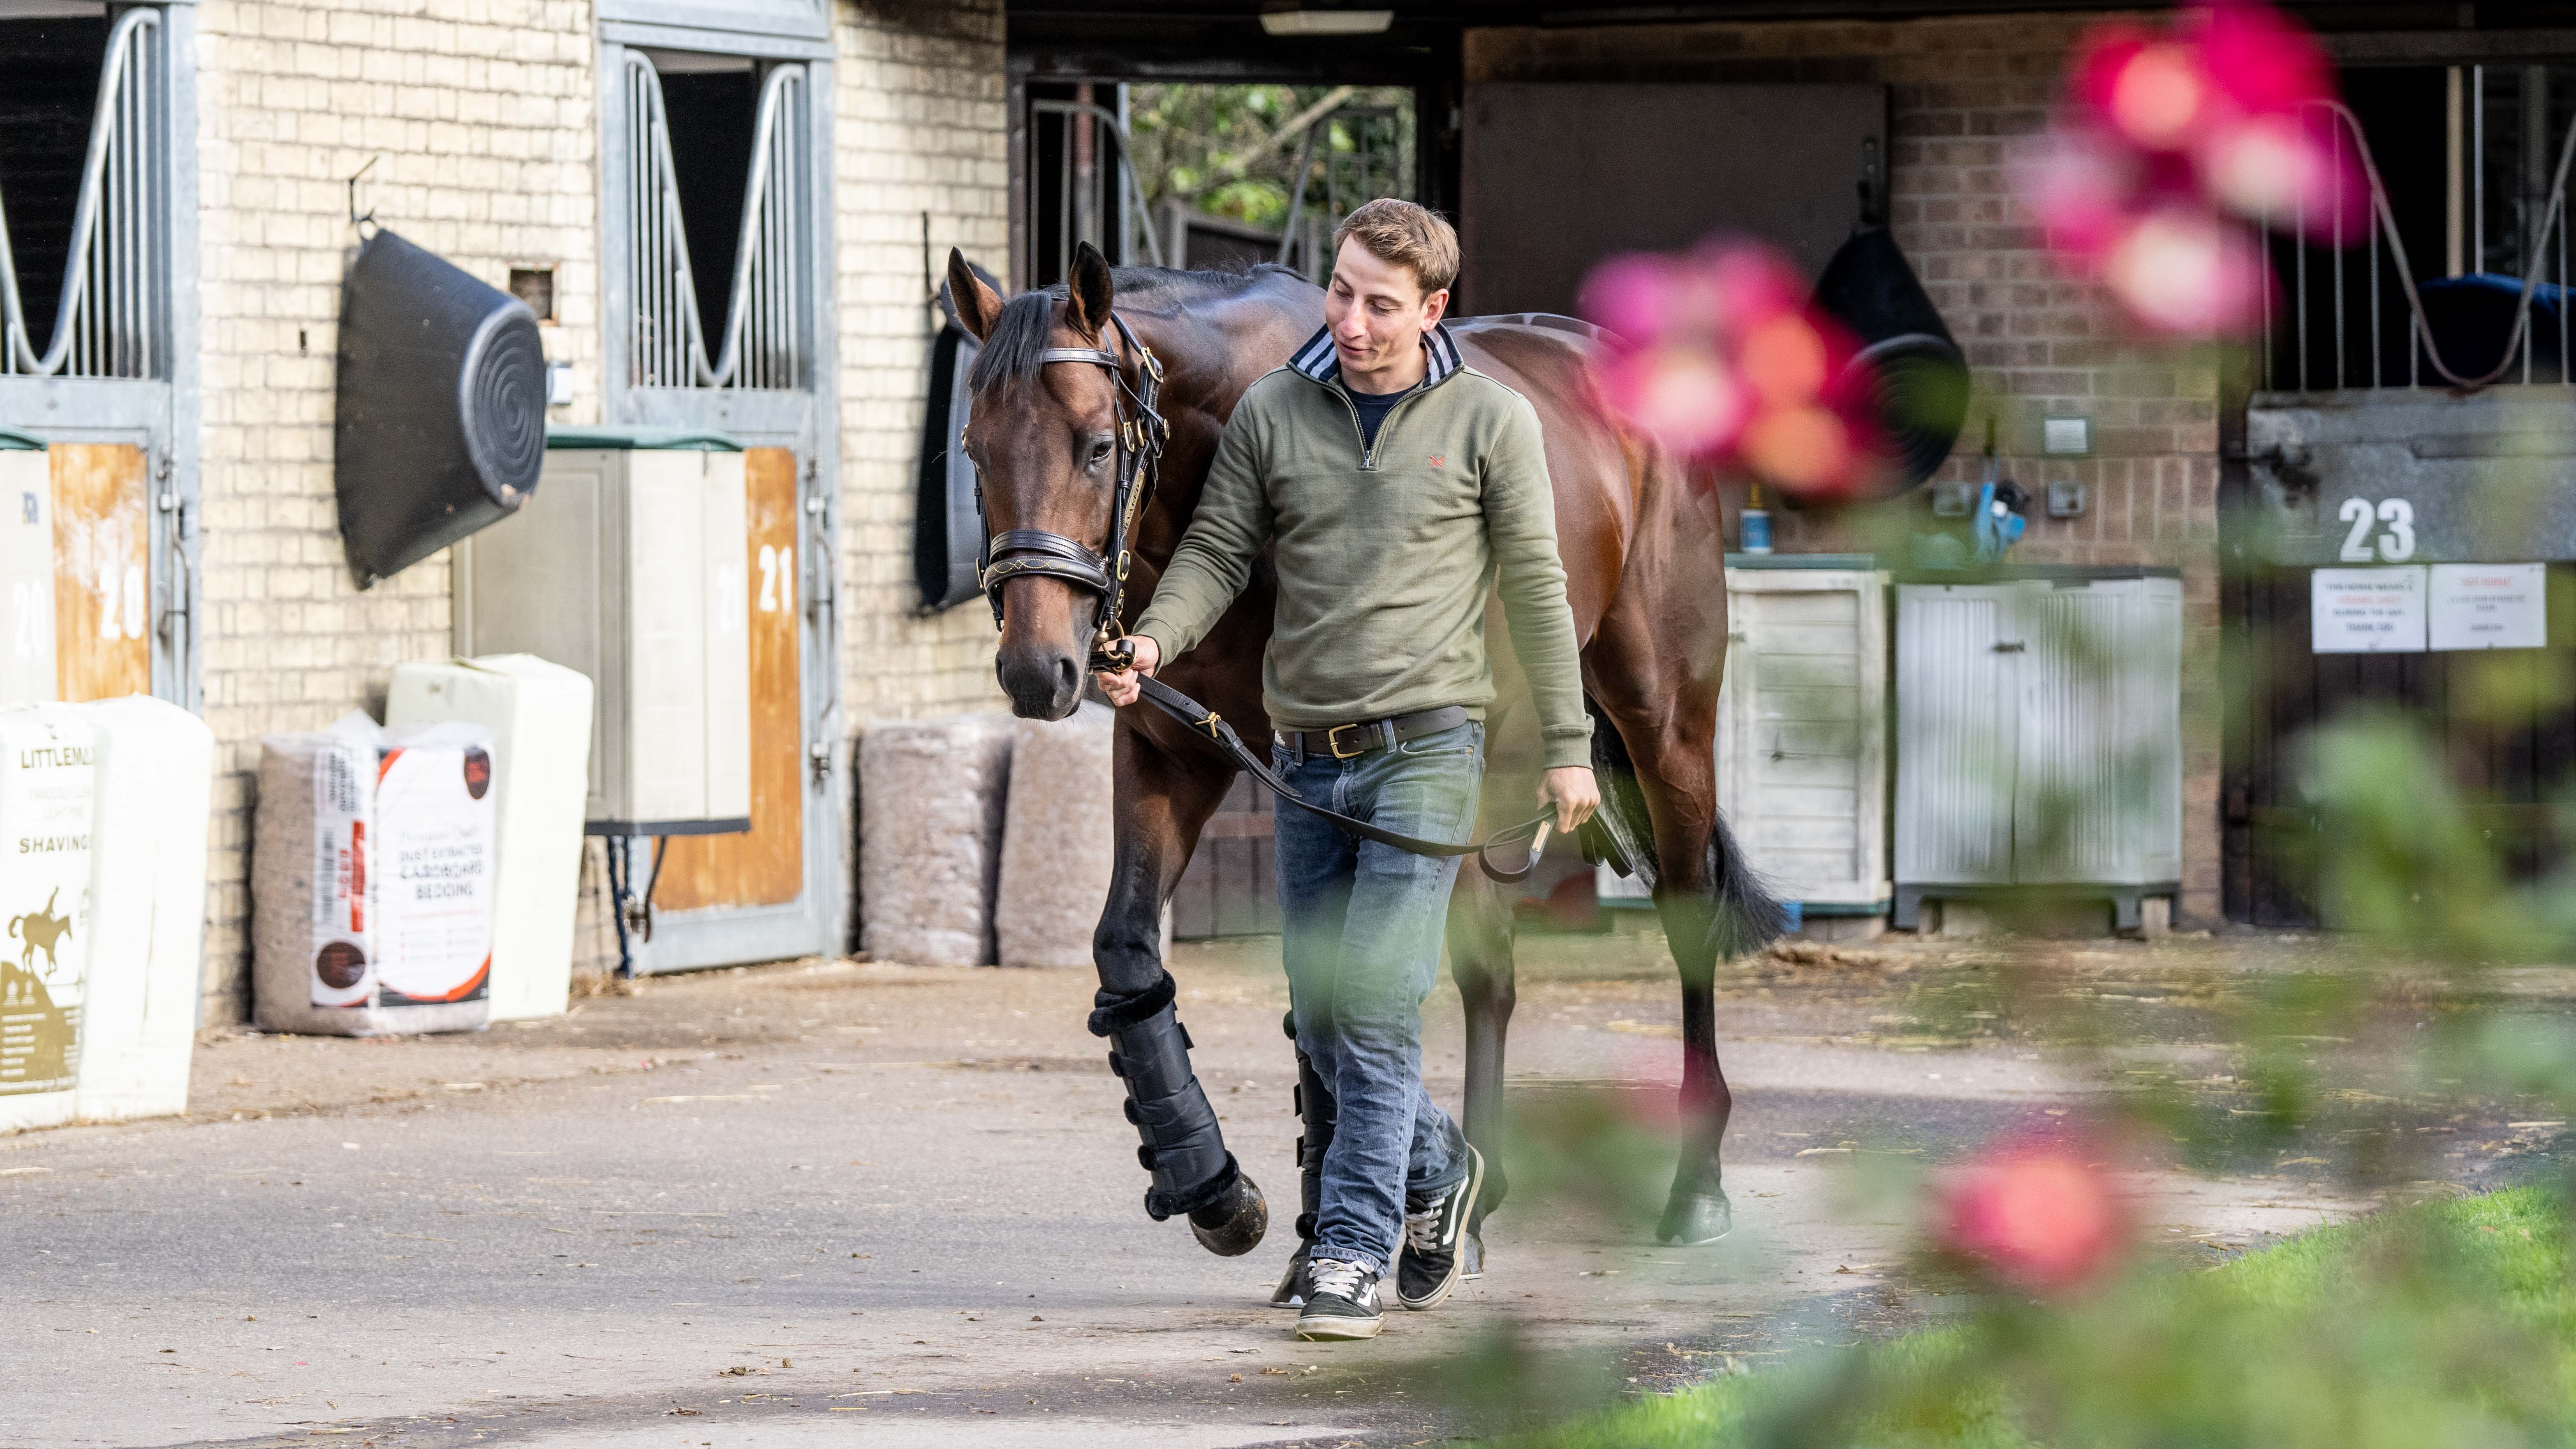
(1333, 742)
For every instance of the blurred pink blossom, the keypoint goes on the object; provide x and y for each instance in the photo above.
(1717, 355)
(2037, 1214)
(2174, 144)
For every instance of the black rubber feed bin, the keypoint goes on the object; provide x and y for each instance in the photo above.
(1919, 375)
(442, 406)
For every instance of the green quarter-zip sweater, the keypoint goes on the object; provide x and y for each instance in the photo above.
(1386, 553)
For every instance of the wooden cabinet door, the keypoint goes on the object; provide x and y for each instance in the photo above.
(766, 865)
(102, 571)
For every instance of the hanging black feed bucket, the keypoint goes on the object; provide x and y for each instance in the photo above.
(1919, 378)
(442, 406)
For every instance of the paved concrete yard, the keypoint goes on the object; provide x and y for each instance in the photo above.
(875, 1204)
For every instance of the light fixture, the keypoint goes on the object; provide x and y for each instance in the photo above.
(1326, 22)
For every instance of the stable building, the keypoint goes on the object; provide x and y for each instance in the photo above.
(719, 214)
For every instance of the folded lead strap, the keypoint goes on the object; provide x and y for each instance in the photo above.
(1181, 1144)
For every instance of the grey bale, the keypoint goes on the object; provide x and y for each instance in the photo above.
(1056, 844)
(931, 800)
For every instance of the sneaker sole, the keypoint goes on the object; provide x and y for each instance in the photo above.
(1458, 1259)
(1327, 1330)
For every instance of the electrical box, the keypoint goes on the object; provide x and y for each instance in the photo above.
(27, 668)
(627, 565)
(2039, 737)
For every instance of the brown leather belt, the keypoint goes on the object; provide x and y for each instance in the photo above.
(1349, 741)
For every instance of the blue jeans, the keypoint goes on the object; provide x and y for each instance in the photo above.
(1361, 926)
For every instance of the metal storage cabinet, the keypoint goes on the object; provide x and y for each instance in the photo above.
(1802, 732)
(627, 565)
(1801, 727)
(2039, 722)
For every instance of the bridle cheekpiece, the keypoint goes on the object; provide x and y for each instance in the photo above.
(1026, 552)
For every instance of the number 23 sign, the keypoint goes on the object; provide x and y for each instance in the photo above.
(2396, 540)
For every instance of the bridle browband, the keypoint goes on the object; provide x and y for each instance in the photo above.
(1027, 552)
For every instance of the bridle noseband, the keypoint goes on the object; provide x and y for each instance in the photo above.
(1026, 552)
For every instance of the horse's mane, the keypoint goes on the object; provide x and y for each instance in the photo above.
(1015, 350)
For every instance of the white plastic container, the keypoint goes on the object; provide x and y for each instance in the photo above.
(48, 781)
(148, 887)
(539, 717)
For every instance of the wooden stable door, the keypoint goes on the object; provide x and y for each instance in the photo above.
(765, 866)
(102, 571)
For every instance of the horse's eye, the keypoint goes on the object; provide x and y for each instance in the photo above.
(1099, 452)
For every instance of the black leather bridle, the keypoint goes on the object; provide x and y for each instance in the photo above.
(1027, 552)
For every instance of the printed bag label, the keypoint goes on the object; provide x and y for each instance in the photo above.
(343, 797)
(48, 784)
(435, 828)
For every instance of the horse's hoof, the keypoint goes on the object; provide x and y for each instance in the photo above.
(1693, 1218)
(1471, 1256)
(1232, 1225)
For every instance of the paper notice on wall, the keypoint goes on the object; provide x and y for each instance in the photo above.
(435, 829)
(48, 781)
(2367, 611)
(2490, 606)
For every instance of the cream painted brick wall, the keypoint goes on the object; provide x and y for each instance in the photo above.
(923, 125)
(482, 115)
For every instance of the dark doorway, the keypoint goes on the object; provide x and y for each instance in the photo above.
(49, 71)
(713, 102)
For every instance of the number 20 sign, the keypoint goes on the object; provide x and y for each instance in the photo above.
(2396, 540)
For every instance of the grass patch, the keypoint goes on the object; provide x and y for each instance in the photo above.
(2449, 1322)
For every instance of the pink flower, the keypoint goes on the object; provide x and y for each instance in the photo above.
(1718, 356)
(2174, 145)
(2035, 1214)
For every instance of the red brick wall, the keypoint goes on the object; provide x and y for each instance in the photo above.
(1958, 91)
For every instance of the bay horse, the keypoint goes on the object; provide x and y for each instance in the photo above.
(1054, 414)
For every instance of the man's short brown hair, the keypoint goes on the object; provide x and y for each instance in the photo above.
(1407, 235)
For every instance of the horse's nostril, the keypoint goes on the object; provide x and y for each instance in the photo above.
(1068, 676)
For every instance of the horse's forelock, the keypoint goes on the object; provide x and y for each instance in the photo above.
(1015, 350)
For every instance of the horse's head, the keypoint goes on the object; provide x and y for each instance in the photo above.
(1043, 435)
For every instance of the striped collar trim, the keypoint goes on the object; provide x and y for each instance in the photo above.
(1317, 360)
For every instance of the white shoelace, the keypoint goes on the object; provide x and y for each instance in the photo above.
(1332, 1275)
(1422, 1230)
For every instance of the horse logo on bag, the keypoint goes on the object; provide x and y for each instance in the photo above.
(42, 930)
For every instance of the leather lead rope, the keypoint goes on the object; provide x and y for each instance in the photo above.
(1211, 726)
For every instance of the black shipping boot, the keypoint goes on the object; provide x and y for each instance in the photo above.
(1182, 1145)
(1316, 1112)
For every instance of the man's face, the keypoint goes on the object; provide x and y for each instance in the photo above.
(1377, 313)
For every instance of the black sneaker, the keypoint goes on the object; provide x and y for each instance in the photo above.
(1341, 1302)
(1427, 1266)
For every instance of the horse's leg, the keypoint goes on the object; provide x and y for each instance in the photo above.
(1712, 904)
(1480, 961)
(1316, 1114)
(1161, 806)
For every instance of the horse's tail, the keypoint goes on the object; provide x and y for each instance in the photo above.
(13, 926)
(1748, 916)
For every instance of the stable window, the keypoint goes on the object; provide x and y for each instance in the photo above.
(717, 234)
(2467, 156)
(84, 251)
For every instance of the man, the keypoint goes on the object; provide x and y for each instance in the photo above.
(1399, 487)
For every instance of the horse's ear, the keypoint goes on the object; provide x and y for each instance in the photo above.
(1087, 294)
(978, 306)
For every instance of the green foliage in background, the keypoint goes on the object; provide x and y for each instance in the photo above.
(1231, 151)
(2448, 1323)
